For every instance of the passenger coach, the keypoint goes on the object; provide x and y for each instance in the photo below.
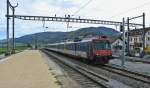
(96, 50)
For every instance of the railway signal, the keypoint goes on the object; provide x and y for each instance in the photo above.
(121, 28)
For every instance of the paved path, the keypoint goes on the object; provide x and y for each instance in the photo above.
(2, 56)
(26, 70)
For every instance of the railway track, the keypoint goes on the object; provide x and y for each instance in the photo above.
(135, 60)
(130, 78)
(142, 61)
(127, 73)
(96, 78)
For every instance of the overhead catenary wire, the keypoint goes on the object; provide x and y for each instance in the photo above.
(59, 11)
(131, 9)
(13, 2)
(82, 7)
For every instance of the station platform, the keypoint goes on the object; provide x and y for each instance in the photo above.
(27, 69)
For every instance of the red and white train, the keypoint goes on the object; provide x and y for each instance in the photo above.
(95, 50)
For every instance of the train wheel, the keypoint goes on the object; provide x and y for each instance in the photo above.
(86, 61)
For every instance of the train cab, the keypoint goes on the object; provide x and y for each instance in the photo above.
(102, 49)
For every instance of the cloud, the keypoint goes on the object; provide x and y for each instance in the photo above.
(96, 9)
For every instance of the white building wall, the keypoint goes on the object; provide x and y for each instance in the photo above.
(117, 52)
(117, 42)
(147, 38)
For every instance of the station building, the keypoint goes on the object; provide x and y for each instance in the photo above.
(136, 41)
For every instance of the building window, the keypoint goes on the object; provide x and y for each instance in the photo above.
(135, 39)
(148, 38)
(131, 39)
(140, 39)
(149, 33)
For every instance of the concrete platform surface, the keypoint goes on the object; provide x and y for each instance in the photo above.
(26, 70)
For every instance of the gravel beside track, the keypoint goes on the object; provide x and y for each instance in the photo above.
(92, 80)
(114, 77)
(113, 83)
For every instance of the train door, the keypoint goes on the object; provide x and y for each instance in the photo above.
(65, 47)
(75, 48)
(90, 50)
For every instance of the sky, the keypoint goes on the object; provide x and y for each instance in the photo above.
(111, 10)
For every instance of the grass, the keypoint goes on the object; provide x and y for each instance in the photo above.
(2, 50)
(18, 49)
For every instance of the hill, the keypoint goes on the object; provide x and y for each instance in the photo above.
(53, 37)
(48, 37)
(93, 31)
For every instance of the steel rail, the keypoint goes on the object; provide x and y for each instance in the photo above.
(133, 75)
(96, 78)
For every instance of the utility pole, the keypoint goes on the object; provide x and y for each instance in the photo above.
(143, 32)
(128, 40)
(68, 17)
(36, 41)
(123, 58)
(13, 25)
(7, 26)
(13, 31)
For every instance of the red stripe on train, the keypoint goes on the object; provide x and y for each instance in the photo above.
(103, 52)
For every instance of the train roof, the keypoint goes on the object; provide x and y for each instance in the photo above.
(84, 40)
(69, 42)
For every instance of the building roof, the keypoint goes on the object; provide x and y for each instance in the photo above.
(113, 39)
(138, 31)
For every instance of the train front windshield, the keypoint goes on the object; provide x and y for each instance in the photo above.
(101, 45)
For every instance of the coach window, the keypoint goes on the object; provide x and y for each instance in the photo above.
(78, 46)
(149, 33)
